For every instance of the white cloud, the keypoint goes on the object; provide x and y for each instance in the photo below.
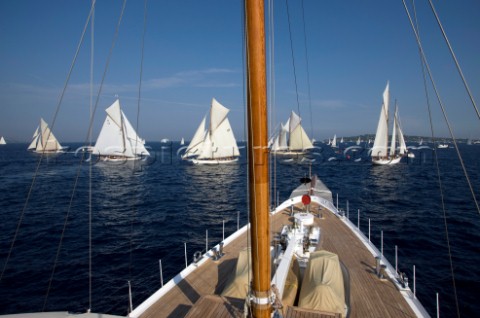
(194, 78)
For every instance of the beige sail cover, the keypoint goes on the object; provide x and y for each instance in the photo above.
(237, 286)
(291, 284)
(322, 285)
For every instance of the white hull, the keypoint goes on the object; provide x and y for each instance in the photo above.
(51, 152)
(386, 161)
(119, 158)
(213, 161)
(288, 153)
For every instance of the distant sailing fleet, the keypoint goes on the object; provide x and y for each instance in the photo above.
(216, 144)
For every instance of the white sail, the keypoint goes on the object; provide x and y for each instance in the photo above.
(334, 141)
(401, 140)
(218, 113)
(282, 137)
(182, 142)
(196, 144)
(279, 142)
(33, 144)
(206, 152)
(224, 141)
(358, 141)
(219, 142)
(2, 141)
(117, 137)
(380, 145)
(298, 137)
(393, 140)
(44, 140)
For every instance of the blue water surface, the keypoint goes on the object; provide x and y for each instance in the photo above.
(141, 215)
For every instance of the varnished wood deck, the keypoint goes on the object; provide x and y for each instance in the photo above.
(369, 296)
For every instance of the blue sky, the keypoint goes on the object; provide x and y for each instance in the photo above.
(193, 52)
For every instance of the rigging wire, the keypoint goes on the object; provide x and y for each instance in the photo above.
(308, 71)
(83, 153)
(293, 61)
(443, 110)
(243, 24)
(459, 69)
(90, 247)
(271, 75)
(424, 65)
(293, 57)
(34, 178)
(132, 222)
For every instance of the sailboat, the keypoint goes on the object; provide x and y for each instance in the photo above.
(334, 142)
(258, 273)
(381, 154)
(44, 141)
(2, 141)
(353, 275)
(117, 139)
(216, 145)
(291, 139)
(182, 142)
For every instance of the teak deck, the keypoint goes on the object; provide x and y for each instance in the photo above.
(369, 296)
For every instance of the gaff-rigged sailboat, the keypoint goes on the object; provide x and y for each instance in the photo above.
(43, 140)
(217, 144)
(117, 139)
(297, 141)
(381, 154)
(334, 142)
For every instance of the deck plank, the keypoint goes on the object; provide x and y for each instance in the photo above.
(369, 296)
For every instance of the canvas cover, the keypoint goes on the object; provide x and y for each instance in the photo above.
(322, 285)
(292, 284)
(237, 287)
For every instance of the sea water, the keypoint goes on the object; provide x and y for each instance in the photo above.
(144, 215)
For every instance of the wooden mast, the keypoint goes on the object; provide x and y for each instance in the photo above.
(258, 156)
